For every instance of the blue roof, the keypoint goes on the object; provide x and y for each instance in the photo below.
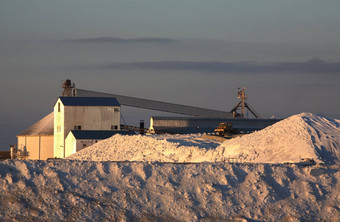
(98, 134)
(89, 101)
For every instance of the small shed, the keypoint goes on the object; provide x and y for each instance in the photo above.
(77, 140)
(37, 139)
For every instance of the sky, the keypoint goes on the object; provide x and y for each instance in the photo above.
(192, 52)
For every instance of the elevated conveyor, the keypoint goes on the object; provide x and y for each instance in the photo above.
(158, 105)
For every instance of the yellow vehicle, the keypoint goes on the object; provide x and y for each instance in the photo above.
(225, 128)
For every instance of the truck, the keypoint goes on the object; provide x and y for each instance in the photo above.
(225, 128)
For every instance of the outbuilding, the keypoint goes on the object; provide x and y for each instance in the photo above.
(37, 139)
(80, 139)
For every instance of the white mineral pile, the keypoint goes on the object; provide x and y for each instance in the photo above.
(68, 190)
(295, 139)
(142, 148)
(74, 190)
(302, 136)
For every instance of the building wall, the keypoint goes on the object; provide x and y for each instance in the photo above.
(87, 117)
(200, 125)
(72, 145)
(59, 127)
(91, 117)
(33, 147)
(38, 147)
(46, 150)
(21, 142)
(82, 144)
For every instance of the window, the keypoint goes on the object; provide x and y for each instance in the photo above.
(116, 109)
(114, 127)
(58, 107)
(58, 128)
(77, 127)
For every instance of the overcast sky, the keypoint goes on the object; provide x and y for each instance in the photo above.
(194, 52)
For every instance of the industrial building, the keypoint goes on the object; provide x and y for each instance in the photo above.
(97, 112)
(37, 139)
(186, 125)
(83, 113)
(46, 138)
(200, 120)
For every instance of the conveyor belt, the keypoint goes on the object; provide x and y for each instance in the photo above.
(158, 105)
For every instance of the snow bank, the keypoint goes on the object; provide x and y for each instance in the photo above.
(66, 190)
(300, 137)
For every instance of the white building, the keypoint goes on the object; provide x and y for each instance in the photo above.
(80, 139)
(83, 113)
(37, 139)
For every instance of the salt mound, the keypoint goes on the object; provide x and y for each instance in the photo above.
(141, 148)
(299, 137)
(57, 190)
(302, 136)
